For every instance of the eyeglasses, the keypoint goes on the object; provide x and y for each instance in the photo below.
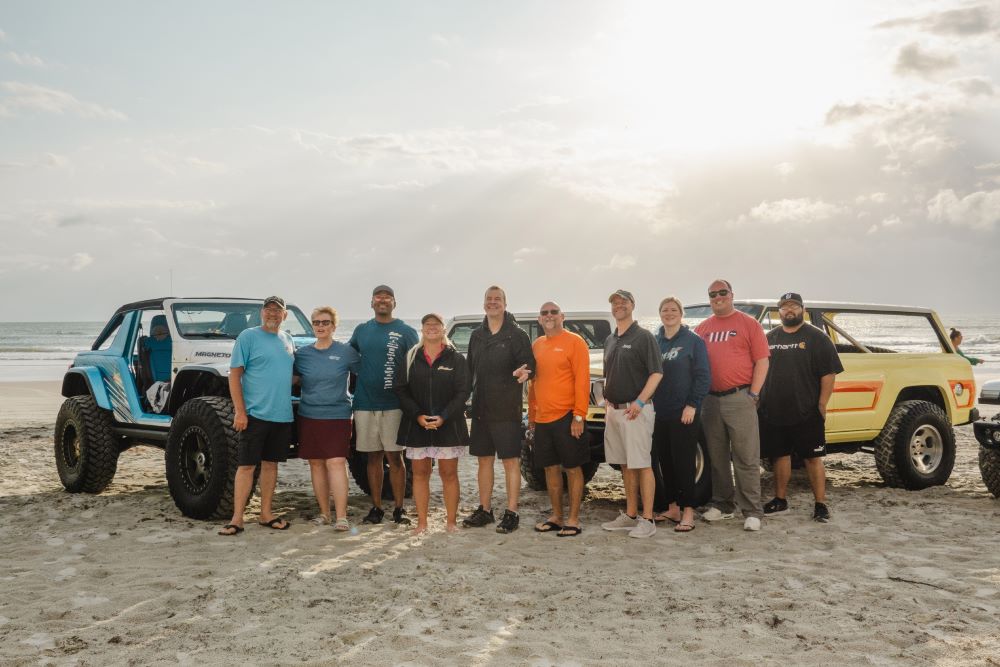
(322, 323)
(718, 292)
(554, 311)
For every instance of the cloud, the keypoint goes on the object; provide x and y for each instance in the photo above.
(974, 86)
(3, 36)
(79, 261)
(979, 210)
(874, 197)
(543, 102)
(193, 206)
(401, 186)
(207, 166)
(616, 263)
(912, 59)
(522, 254)
(32, 97)
(790, 211)
(840, 113)
(785, 169)
(965, 22)
(24, 59)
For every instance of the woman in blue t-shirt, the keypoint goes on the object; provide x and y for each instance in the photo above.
(324, 418)
(677, 403)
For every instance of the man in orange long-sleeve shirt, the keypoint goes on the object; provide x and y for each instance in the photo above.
(558, 397)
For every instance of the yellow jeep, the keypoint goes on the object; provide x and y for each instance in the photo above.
(902, 390)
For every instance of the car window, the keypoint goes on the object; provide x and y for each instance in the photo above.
(593, 332)
(884, 332)
(228, 320)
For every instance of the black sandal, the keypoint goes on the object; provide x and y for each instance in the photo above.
(570, 531)
(236, 530)
(547, 527)
(273, 523)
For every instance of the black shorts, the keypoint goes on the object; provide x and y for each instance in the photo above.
(499, 439)
(264, 441)
(807, 439)
(555, 444)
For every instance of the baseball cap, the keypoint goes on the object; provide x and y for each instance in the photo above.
(432, 316)
(625, 294)
(790, 296)
(384, 288)
(277, 300)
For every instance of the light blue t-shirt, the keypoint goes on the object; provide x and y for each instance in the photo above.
(266, 359)
(382, 347)
(324, 375)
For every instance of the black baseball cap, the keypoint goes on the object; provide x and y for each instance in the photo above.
(790, 296)
(623, 293)
(277, 300)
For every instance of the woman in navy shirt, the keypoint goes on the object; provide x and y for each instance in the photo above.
(324, 419)
(677, 402)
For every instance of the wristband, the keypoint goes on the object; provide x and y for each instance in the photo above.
(641, 403)
(753, 395)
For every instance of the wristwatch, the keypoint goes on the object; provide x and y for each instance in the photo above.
(752, 395)
(578, 419)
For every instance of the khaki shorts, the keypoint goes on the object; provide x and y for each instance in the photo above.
(377, 430)
(629, 442)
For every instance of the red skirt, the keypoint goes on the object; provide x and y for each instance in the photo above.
(324, 438)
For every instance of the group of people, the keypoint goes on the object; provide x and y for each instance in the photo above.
(749, 392)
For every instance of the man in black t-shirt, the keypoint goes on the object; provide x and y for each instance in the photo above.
(804, 364)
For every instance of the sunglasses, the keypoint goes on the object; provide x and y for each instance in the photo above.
(322, 323)
(718, 292)
(554, 311)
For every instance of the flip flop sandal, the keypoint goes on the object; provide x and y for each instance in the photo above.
(683, 527)
(342, 524)
(662, 516)
(569, 531)
(236, 530)
(547, 527)
(273, 523)
(321, 520)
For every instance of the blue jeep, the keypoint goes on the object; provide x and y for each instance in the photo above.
(158, 375)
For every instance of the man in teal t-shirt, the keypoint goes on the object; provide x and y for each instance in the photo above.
(260, 383)
(383, 342)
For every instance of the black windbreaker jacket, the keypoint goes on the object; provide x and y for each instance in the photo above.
(493, 358)
(441, 390)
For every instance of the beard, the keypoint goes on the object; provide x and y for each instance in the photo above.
(793, 320)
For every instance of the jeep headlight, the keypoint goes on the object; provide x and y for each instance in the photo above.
(959, 389)
(996, 437)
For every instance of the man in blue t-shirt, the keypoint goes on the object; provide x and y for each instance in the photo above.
(260, 383)
(383, 342)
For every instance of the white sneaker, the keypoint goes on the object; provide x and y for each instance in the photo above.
(752, 523)
(643, 528)
(715, 514)
(621, 522)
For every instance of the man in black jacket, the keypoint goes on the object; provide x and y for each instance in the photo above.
(500, 361)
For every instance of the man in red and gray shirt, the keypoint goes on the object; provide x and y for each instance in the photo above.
(738, 355)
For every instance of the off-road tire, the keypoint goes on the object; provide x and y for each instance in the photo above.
(201, 457)
(703, 475)
(357, 463)
(989, 467)
(85, 448)
(910, 423)
(534, 475)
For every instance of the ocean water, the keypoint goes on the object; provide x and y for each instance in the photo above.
(44, 350)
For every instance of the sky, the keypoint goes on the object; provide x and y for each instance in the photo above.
(846, 150)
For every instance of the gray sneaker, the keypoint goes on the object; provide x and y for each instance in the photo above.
(643, 528)
(622, 522)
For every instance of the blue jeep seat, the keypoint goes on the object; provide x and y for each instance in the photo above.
(159, 350)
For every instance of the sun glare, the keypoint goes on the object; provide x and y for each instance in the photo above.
(735, 76)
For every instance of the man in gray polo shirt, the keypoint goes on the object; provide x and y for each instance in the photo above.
(632, 369)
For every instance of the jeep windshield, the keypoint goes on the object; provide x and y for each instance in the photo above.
(695, 315)
(227, 320)
(593, 331)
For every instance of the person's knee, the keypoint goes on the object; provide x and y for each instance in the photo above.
(395, 459)
(337, 464)
(448, 473)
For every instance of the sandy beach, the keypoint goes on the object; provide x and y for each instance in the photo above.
(898, 577)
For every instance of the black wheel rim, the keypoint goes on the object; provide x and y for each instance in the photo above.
(195, 459)
(70, 446)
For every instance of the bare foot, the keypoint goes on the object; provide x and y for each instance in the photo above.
(419, 530)
(452, 528)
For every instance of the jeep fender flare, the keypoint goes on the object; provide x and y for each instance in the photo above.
(186, 379)
(83, 380)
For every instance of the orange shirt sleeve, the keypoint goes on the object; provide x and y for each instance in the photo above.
(581, 378)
